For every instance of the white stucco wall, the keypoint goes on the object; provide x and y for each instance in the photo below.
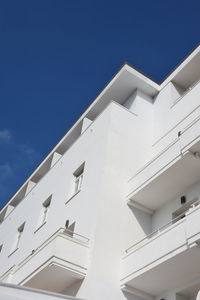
(164, 214)
(119, 142)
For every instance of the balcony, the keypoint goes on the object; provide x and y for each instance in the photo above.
(9, 291)
(170, 173)
(64, 256)
(168, 259)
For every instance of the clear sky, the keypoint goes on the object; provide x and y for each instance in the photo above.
(56, 56)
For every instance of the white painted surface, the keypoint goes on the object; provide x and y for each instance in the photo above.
(129, 144)
(86, 123)
(55, 158)
(14, 292)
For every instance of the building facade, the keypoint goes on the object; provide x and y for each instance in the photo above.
(113, 212)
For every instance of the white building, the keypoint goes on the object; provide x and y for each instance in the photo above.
(113, 212)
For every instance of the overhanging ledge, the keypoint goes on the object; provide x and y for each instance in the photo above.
(8, 291)
(168, 182)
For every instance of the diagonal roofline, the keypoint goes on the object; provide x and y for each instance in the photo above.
(182, 61)
(135, 77)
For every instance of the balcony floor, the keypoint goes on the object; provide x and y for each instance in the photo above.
(55, 265)
(53, 278)
(169, 184)
(173, 274)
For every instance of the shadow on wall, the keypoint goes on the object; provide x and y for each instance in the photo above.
(73, 289)
(144, 221)
(130, 297)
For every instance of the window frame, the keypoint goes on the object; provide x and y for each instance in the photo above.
(44, 214)
(18, 237)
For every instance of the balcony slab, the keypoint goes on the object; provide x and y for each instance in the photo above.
(169, 260)
(63, 256)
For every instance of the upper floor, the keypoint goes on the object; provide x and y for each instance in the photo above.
(168, 108)
(133, 155)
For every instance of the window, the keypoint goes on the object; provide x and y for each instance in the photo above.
(69, 229)
(45, 210)
(46, 206)
(78, 182)
(18, 237)
(78, 174)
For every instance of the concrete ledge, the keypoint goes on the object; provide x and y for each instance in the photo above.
(10, 291)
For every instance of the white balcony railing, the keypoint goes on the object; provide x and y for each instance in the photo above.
(170, 157)
(9, 291)
(64, 253)
(166, 259)
(155, 233)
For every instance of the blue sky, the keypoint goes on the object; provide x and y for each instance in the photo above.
(56, 56)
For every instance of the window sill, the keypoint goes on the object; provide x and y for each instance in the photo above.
(13, 252)
(72, 196)
(40, 227)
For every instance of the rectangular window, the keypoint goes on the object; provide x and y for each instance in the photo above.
(44, 212)
(18, 237)
(78, 178)
(69, 229)
(46, 206)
